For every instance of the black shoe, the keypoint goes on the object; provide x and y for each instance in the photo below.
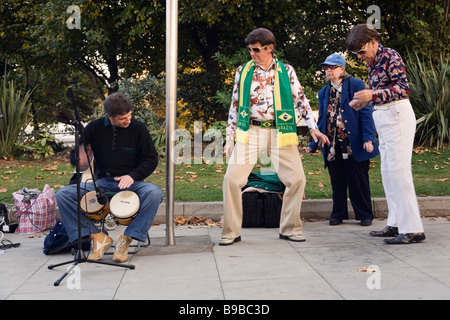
(405, 238)
(366, 223)
(386, 232)
(335, 222)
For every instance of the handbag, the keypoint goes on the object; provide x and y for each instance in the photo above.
(36, 211)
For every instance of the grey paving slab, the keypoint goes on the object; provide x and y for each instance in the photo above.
(260, 267)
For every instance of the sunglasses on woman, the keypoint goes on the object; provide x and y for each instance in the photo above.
(256, 49)
(326, 67)
(362, 51)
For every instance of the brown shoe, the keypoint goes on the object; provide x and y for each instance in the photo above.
(100, 243)
(121, 253)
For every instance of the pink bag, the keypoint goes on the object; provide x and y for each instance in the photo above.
(36, 211)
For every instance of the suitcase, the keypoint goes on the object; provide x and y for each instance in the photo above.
(261, 209)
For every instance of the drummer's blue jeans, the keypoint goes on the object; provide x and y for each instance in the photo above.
(150, 198)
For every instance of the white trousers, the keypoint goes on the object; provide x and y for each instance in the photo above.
(285, 161)
(396, 128)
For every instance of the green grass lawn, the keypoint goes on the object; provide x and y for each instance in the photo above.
(203, 182)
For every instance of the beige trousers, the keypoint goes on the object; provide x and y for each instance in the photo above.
(285, 161)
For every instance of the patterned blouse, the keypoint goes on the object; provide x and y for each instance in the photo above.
(261, 98)
(387, 77)
(335, 129)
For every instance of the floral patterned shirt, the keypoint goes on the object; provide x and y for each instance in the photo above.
(335, 128)
(387, 77)
(261, 98)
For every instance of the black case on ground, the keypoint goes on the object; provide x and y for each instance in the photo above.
(261, 209)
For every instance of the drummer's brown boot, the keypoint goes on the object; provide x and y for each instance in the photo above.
(100, 243)
(121, 253)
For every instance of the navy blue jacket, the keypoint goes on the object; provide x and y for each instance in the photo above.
(358, 124)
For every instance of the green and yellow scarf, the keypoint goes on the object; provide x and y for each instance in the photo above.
(283, 105)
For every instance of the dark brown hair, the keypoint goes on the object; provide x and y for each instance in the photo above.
(261, 35)
(117, 104)
(359, 35)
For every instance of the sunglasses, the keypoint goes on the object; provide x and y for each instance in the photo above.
(256, 49)
(326, 67)
(362, 51)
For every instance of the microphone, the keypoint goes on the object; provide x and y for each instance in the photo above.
(101, 197)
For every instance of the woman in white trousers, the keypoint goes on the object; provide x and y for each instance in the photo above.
(396, 125)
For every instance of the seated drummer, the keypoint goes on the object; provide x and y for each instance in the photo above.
(124, 156)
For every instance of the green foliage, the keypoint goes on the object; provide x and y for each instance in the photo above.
(120, 38)
(221, 126)
(429, 94)
(14, 106)
(147, 94)
(431, 30)
(39, 144)
(197, 90)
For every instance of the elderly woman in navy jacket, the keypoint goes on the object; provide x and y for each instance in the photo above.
(352, 142)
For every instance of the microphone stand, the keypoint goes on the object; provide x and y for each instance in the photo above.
(79, 256)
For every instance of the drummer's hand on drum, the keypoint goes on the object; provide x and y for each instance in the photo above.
(124, 181)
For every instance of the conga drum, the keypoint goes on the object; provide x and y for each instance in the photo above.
(124, 206)
(90, 206)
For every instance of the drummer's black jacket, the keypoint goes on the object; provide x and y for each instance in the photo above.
(120, 151)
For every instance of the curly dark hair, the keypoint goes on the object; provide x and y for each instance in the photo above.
(117, 104)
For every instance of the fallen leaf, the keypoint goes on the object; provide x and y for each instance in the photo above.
(369, 269)
(198, 220)
(52, 168)
(181, 220)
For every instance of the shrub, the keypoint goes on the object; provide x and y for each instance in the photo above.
(14, 107)
(429, 95)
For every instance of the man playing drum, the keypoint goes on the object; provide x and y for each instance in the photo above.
(124, 156)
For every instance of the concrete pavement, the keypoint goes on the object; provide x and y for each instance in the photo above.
(260, 267)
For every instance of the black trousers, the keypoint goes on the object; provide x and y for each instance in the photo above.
(354, 176)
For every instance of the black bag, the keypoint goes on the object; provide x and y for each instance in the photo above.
(261, 209)
(57, 241)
